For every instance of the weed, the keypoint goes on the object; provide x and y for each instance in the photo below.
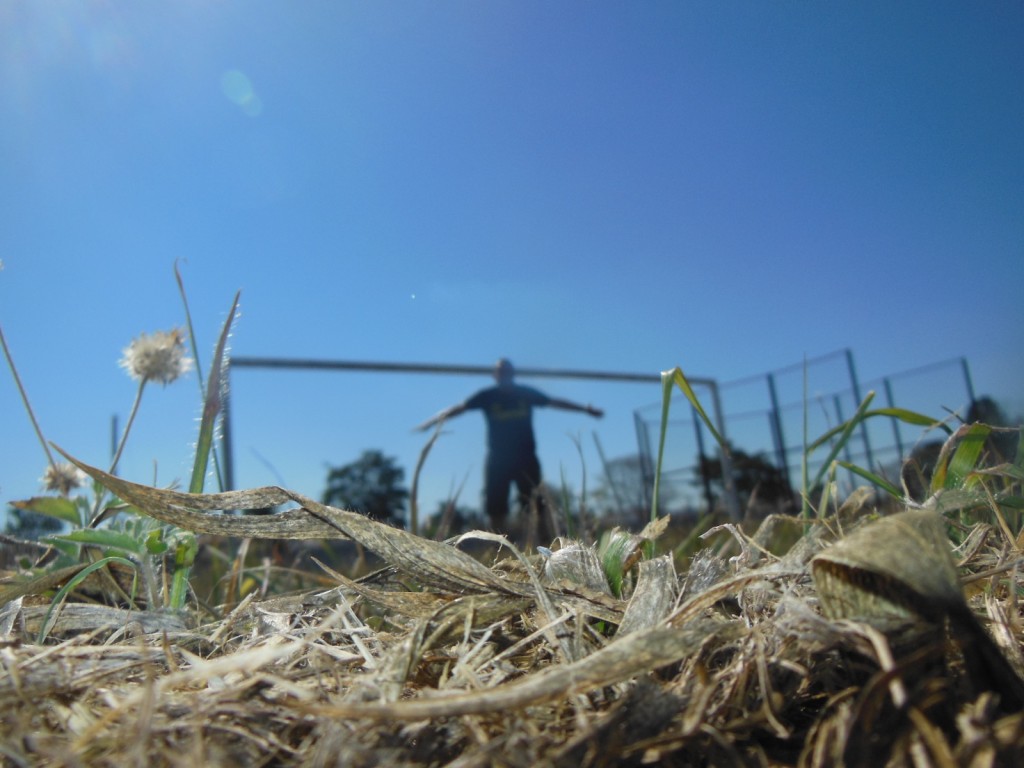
(108, 533)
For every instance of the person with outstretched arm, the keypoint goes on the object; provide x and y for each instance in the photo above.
(511, 446)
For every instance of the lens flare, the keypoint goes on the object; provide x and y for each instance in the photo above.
(239, 91)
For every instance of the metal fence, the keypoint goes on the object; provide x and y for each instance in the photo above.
(765, 416)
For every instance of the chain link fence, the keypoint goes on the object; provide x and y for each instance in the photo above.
(768, 417)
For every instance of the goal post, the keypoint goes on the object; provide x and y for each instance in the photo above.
(314, 364)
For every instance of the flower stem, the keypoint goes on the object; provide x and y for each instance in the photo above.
(128, 426)
(24, 399)
(120, 448)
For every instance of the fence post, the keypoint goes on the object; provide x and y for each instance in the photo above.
(709, 497)
(869, 459)
(778, 438)
(967, 379)
(890, 401)
(643, 440)
(732, 501)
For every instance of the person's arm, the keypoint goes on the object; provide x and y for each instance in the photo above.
(444, 415)
(568, 405)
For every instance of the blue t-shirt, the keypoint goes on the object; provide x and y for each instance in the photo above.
(509, 414)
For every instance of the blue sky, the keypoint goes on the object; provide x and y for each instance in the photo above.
(726, 186)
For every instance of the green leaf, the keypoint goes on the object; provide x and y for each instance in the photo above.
(186, 550)
(155, 542)
(184, 556)
(69, 551)
(105, 539)
(613, 550)
(51, 506)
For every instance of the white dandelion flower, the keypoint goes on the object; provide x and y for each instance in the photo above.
(157, 357)
(63, 478)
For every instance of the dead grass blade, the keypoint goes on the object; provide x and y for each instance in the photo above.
(433, 563)
(633, 655)
(438, 659)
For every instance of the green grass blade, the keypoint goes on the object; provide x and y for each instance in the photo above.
(680, 381)
(965, 457)
(1013, 471)
(212, 404)
(666, 397)
(204, 445)
(872, 478)
(1014, 502)
(191, 330)
(845, 431)
(826, 492)
(668, 378)
(195, 357)
(36, 585)
(908, 417)
(58, 599)
(612, 551)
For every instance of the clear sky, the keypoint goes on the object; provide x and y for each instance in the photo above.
(725, 186)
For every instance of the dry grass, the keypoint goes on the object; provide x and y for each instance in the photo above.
(439, 659)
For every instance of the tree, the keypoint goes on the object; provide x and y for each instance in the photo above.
(371, 485)
(754, 476)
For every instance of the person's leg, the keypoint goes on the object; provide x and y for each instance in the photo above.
(531, 499)
(497, 483)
